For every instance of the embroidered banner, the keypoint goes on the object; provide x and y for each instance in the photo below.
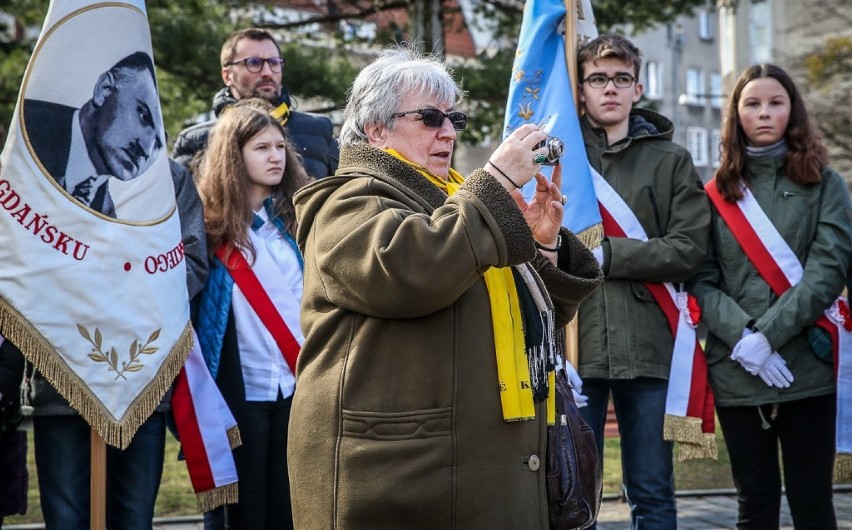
(540, 92)
(92, 275)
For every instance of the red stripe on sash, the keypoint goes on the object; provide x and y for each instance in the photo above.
(183, 408)
(257, 298)
(749, 241)
(699, 387)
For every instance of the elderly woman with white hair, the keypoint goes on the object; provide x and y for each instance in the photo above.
(430, 310)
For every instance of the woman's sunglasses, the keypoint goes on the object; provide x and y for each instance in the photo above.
(434, 118)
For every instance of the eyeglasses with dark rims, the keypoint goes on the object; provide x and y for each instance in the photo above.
(434, 118)
(601, 80)
(255, 64)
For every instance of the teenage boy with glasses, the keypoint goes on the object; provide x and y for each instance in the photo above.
(252, 66)
(625, 342)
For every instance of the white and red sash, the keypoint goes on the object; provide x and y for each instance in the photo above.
(260, 302)
(200, 412)
(776, 263)
(207, 431)
(689, 400)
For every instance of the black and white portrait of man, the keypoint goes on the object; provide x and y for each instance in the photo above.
(117, 134)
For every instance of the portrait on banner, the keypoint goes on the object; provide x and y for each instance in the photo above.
(98, 129)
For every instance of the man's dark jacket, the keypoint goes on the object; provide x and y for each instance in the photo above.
(313, 136)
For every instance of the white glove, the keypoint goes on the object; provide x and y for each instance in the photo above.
(752, 351)
(775, 372)
(576, 386)
(599, 255)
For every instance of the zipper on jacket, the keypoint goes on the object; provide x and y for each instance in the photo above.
(653, 200)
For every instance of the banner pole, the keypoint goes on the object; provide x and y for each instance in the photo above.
(572, 336)
(97, 480)
(571, 48)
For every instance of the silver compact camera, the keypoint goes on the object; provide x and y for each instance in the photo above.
(555, 148)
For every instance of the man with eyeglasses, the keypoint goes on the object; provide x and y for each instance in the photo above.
(625, 342)
(252, 66)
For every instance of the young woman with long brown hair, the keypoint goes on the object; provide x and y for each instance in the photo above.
(769, 293)
(248, 314)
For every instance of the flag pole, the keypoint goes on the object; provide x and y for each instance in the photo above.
(97, 480)
(571, 48)
(572, 336)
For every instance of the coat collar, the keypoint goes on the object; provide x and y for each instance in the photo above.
(359, 158)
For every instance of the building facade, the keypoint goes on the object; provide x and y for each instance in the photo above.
(789, 33)
(682, 80)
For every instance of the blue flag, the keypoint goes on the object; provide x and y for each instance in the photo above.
(541, 92)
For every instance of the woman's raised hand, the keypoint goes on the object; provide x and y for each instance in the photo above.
(513, 162)
(545, 210)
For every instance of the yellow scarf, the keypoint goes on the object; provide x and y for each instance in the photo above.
(281, 113)
(513, 370)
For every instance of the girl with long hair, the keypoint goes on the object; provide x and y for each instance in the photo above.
(769, 292)
(247, 316)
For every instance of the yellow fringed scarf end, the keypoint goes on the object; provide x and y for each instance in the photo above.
(692, 443)
(209, 500)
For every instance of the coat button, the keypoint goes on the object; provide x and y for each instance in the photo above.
(534, 463)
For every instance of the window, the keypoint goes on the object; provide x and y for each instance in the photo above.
(717, 98)
(715, 144)
(696, 142)
(727, 49)
(705, 25)
(760, 32)
(694, 87)
(654, 83)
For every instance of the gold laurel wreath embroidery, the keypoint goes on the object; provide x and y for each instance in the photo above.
(97, 354)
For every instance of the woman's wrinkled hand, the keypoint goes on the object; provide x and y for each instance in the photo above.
(512, 163)
(545, 210)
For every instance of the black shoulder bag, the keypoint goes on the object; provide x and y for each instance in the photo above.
(574, 475)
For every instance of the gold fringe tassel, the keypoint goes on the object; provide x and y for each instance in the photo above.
(44, 357)
(208, 500)
(691, 442)
(234, 437)
(592, 236)
(843, 466)
(683, 429)
(706, 449)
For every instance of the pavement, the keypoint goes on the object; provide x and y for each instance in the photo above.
(700, 510)
(708, 510)
(716, 511)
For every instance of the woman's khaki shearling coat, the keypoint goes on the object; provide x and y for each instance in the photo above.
(396, 420)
